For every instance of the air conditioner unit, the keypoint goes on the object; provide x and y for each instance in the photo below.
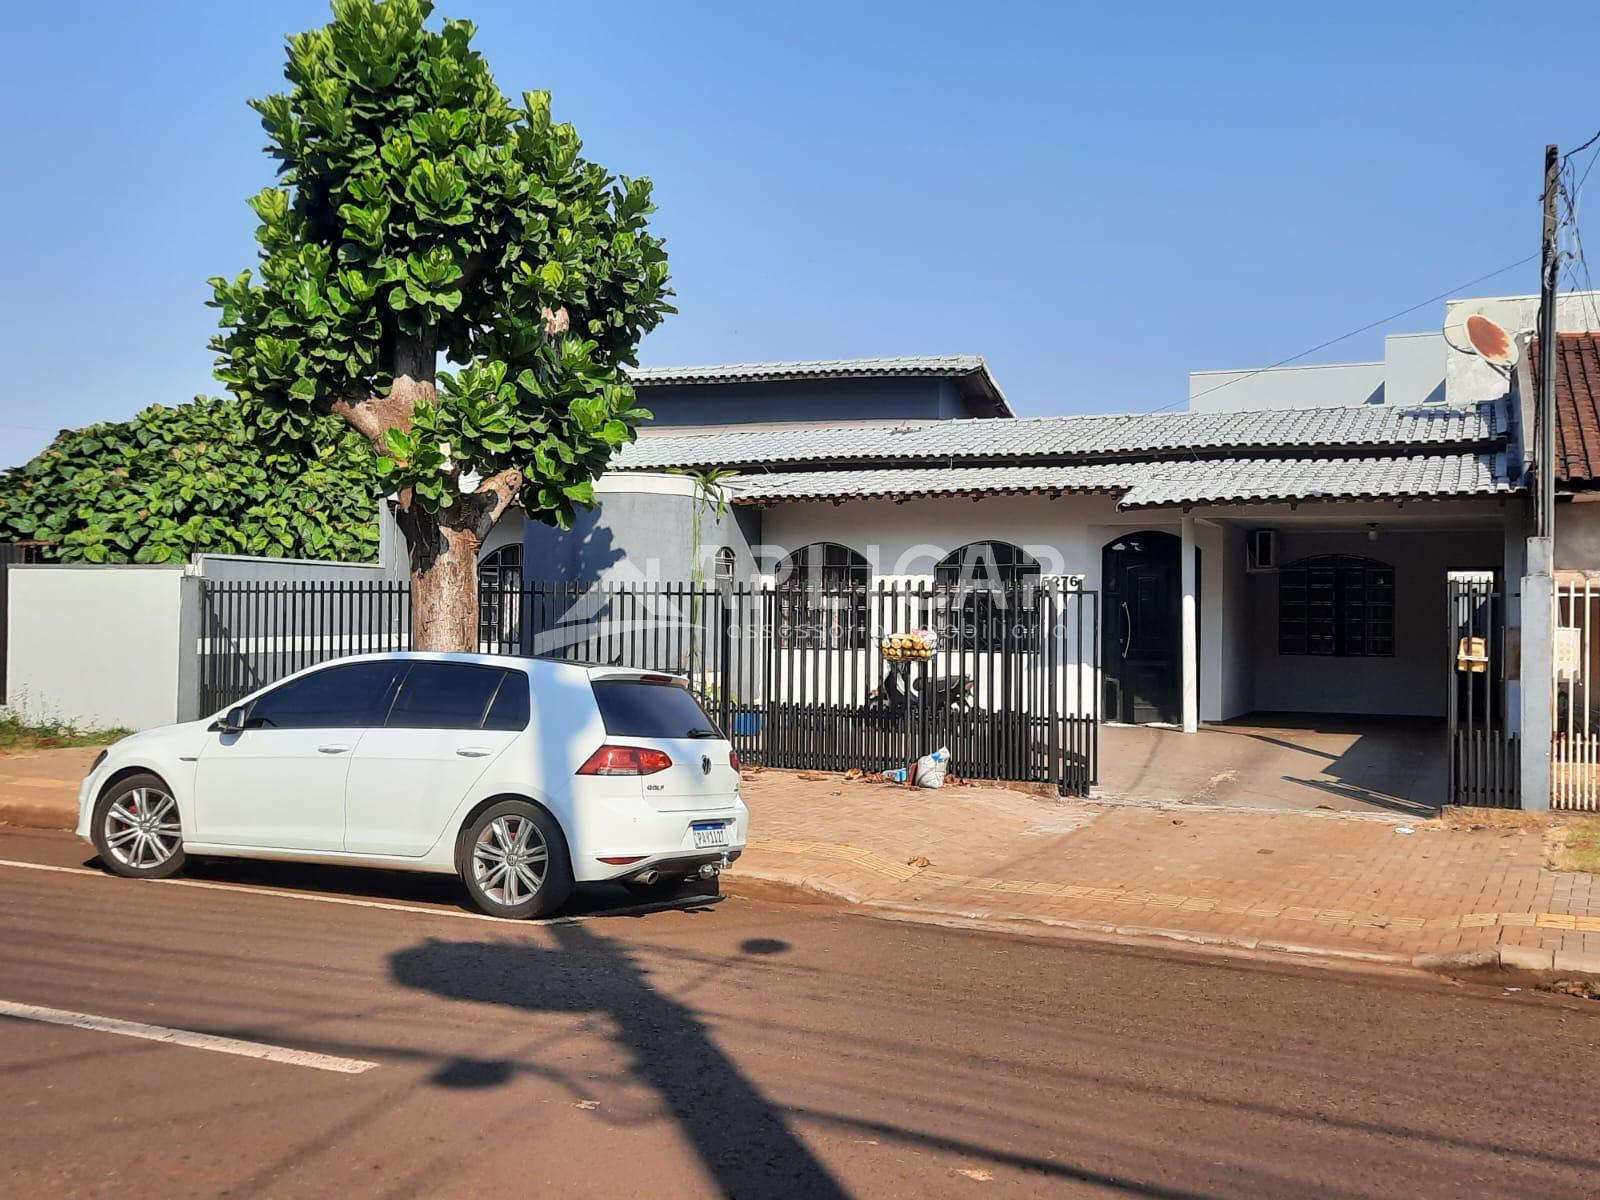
(1261, 552)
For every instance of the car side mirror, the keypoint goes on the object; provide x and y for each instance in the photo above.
(231, 721)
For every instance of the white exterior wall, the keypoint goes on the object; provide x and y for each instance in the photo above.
(99, 646)
(1232, 681)
(1333, 385)
(508, 531)
(1066, 535)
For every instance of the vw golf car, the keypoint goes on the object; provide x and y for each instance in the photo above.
(524, 776)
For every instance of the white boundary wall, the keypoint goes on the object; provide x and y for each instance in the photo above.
(100, 646)
(116, 646)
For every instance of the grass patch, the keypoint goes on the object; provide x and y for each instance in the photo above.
(1579, 847)
(24, 733)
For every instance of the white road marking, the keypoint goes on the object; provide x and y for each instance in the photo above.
(347, 901)
(185, 1037)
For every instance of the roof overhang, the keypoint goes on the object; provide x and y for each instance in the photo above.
(1156, 484)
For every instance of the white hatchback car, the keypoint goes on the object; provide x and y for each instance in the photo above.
(521, 775)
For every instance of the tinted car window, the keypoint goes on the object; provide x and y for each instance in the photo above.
(438, 695)
(636, 708)
(510, 707)
(347, 697)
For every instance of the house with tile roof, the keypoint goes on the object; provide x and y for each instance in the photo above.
(1287, 559)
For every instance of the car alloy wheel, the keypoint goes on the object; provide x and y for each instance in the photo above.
(510, 860)
(141, 829)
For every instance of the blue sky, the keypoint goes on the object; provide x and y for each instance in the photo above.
(1099, 198)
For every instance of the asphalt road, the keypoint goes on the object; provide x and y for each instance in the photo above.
(733, 1048)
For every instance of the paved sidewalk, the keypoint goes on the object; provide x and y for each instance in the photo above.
(39, 788)
(1336, 883)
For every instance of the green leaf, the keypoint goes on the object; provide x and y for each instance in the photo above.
(399, 442)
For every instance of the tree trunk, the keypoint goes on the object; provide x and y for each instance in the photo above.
(444, 585)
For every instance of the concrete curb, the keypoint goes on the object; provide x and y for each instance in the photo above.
(1566, 964)
(27, 815)
(762, 885)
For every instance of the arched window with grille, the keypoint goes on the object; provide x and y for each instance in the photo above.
(724, 566)
(989, 597)
(500, 597)
(1336, 605)
(822, 592)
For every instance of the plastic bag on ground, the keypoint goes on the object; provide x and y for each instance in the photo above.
(931, 768)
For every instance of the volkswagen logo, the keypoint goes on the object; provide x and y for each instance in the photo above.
(705, 764)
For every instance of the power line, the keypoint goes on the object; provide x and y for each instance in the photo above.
(1570, 192)
(1283, 362)
(1582, 148)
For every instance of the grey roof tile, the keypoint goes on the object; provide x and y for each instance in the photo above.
(1125, 435)
(1155, 484)
(1243, 480)
(839, 368)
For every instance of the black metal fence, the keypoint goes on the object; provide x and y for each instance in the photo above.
(801, 678)
(1484, 756)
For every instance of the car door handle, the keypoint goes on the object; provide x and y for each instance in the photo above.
(473, 751)
(333, 749)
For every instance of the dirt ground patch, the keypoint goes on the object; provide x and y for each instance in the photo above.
(1469, 819)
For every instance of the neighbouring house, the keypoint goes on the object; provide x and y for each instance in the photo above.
(1575, 733)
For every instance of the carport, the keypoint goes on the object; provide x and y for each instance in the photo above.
(1281, 761)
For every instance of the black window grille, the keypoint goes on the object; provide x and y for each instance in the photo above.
(989, 599)
(822, 593)
(499, 596)
(1337, 606)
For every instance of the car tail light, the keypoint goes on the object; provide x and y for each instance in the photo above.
(625, 760)
(733, 759)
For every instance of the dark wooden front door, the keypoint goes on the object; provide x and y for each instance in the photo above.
(1143, 639)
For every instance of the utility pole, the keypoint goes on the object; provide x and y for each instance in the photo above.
(1549, 273)
(1536, 675)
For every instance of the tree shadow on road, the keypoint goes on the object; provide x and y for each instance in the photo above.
(742, 1139)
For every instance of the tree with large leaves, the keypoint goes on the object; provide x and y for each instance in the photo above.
(193, 479)
(422, 213)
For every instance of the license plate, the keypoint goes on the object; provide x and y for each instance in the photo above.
(710, 835)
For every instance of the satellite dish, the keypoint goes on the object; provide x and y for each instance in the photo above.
(1491, 341)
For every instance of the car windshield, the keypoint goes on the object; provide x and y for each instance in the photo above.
(644, 708)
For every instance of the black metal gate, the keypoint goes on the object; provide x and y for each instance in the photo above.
(1004, 677)
(1484, 756)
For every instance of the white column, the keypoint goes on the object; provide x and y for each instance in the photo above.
(1191, 643)
(1537, 671)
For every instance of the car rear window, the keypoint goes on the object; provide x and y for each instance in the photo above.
(639, 708)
